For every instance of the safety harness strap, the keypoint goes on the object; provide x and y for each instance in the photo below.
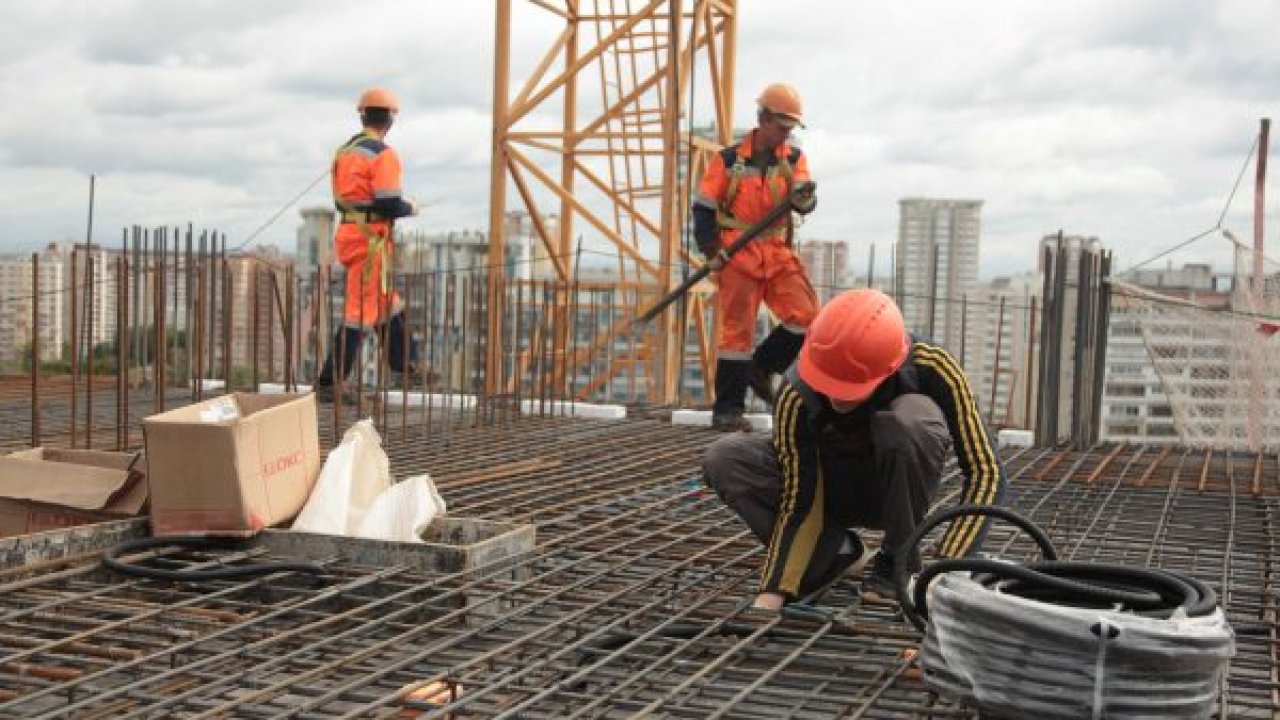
(784, 167)
(378, 245)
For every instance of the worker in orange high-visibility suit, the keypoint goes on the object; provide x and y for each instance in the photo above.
(741, 185)
(367, 193)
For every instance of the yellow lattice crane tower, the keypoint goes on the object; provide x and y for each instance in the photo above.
(596, 138)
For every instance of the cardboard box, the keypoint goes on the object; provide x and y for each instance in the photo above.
(232, 465)
(48, 488)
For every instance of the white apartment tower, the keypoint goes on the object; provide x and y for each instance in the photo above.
(936, 263)
(19, 301)
(827, 262)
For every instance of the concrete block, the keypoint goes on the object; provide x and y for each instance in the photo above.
(573, 409)
(1015, 438)
(760, 422)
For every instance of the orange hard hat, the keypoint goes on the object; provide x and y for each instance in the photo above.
(783, 100)
(378, 97)
(856, 341)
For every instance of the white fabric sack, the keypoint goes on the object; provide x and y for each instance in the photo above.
(403, 511)
(354, 474)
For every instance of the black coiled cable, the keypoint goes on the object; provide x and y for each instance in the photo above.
(1055, 639)
(1149, 592)
(111, 560)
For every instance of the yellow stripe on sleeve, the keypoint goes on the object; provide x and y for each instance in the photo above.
(985, 479)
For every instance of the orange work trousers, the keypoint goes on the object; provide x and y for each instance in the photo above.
(765, 270)
(367, 304)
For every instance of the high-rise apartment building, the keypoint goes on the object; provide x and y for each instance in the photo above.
(936, 263)
(92, 269)
(827, 262)
(18, 302)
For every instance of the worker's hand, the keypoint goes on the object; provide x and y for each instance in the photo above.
(804, 197)
(768, 601)
(718, 261)
(414, 206)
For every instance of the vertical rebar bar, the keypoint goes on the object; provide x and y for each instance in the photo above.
(1031, 382)
(161, 263)
(228, 316)
(74, 331)
(255, 323)
(289, 321)
(273, 290)
(88, 319)
(995, 373)
(35, 349)
(122, 319)
(933, 289)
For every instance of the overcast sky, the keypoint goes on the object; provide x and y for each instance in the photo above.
(1128, 120)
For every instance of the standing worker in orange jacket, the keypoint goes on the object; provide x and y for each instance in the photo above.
(741, 185)
(367, 193)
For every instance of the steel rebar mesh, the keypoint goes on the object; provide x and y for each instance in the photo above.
(631, 605)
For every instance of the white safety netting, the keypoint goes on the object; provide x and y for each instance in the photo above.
(1217, 356)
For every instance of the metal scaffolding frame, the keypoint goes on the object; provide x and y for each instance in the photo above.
(599, 117)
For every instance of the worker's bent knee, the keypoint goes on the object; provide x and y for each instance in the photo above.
(719, 459)
(915, 424)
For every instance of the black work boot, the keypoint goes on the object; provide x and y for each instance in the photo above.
(761, 382)
(881, 582)
(771, 357)
(731, 395)
(325, 394)
(345, 347)
(849, 556)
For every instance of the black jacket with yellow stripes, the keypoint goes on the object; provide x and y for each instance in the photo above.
(801, 414)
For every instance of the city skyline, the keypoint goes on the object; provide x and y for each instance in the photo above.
(1090, 118)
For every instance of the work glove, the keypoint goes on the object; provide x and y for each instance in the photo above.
(414, 206)
(717, 259)
(705, 232)
(803, 197)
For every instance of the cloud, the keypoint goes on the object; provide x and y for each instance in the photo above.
(1128, 121)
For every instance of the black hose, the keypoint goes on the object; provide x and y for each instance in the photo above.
(111, 560)
(1145, 591)
(1056, 639)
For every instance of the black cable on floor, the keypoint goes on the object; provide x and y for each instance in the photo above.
(1059, 639)
(1145, 591)
(111, 559)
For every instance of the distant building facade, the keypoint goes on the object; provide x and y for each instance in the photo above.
(315, 239)
(999, 349)
(19, 302)
(827, 262)
(936, 263)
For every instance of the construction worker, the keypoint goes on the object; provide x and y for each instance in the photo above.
(741, 185)
(863, 423)
(368, 196)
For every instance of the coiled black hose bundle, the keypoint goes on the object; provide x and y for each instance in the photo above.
(1055, 639)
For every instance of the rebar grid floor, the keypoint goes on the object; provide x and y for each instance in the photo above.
(633, 603)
